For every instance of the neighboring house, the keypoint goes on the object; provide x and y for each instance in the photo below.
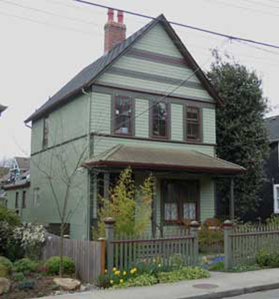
(270, 190)
(16, 187)
(2, 108)
(146, 104)
(4, 172)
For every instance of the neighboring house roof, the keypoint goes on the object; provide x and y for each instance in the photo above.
(23, 163)
(163, 159)
(87, 76)
(23, 181)
(2, 108)
(272, 124)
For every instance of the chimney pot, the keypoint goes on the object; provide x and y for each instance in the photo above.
(110, 14)
(120, 16)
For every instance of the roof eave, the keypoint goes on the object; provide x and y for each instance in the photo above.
(191, 168)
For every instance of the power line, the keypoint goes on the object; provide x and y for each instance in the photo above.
(47, 12)
(231, 37)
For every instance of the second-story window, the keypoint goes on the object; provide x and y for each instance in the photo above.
(160, 120)
(46, 132)
(193, 124)
(123, 115)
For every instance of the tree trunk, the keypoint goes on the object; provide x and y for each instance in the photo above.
(61, 249)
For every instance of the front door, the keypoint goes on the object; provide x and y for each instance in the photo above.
(180, 201)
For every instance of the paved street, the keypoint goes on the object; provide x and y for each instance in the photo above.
(274, 294)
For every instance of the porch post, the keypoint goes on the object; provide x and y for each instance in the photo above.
(228, 226)
(232, 200)
(106, 185)
(154, 212)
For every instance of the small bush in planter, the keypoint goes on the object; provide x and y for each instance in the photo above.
(53, 264)
(7, 263)
(25, 265)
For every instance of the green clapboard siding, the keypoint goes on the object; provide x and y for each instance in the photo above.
(45, 209)
(101, 113)
(209, 125)
(105, 143)
(142, 118)
(158, 41)
(156, 68)
(37, 136)
(177, 122)
(207, 199)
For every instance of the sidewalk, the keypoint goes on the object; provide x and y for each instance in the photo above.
(219, 285)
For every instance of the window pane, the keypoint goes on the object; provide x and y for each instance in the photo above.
(159, 125)
(189, 210)
(171, 211)
(193, 123)
(123, 114)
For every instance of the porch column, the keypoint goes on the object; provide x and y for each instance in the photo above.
(106, 185)
(154, 220)
(232, 200)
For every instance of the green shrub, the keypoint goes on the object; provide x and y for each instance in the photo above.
(25, 265)
(18, 276)
(185, 273)
(139, 281)
(267, 259)
(7, 263)
(53, 265)
(219, 266)
(9, 216)
(211, 240)
(4, 272)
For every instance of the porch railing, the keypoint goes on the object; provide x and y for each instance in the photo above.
(124, 253)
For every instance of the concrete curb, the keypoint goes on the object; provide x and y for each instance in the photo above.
(235, 292)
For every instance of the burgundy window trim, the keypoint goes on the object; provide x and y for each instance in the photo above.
(179, 203)
(166, 137)
(199, 123)
(131, 118)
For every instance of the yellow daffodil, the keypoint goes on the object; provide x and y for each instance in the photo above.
(106, 271)
(114, 269)
(159, 266)
(154, 260)
(124, 273)
(117, 272)
(135, 269)
(121, 280)
(111, 281)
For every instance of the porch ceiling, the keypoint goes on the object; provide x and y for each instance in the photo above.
(163, 159)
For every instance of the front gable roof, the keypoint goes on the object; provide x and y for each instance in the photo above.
(89, 74)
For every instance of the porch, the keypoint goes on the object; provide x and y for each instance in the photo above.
(184, 183)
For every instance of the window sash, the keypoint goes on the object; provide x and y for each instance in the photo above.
(193, 124)
(160, 120)
(123, 115)
(24, 199)
(16, 200)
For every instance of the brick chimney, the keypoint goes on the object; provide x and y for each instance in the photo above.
(115, 32)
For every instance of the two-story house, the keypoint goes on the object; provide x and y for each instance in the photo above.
(146, 104)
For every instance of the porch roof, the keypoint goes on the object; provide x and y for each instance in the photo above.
(163, 159)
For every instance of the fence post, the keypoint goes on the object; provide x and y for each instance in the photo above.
(103, 254)
(109, 228)
(228, 225)
(194, 227)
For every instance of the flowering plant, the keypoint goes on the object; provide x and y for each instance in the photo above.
(31, 237)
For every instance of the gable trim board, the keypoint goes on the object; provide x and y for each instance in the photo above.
(88, 76)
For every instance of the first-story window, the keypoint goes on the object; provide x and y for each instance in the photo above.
(159, 120)
(123, 115)
(179, 200)
(16, 200)
(193, 124)
(24, 199)
(276, 199)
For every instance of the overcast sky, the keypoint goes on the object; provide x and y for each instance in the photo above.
(46, 42)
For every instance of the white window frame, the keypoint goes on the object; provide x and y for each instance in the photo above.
(276, 198)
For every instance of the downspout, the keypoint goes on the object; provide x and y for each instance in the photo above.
(89, 156)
